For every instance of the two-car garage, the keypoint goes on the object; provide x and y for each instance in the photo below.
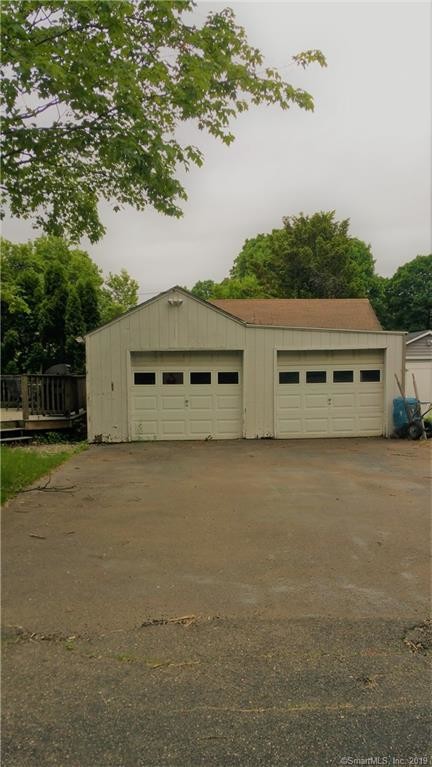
(198, 395)
(179, 368)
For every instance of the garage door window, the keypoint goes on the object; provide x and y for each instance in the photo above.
(228, 378)
(289, 377)
(316, 376)
(343, 376)
(200, 378)
(369, 376)
(144, 379)
(172, 378)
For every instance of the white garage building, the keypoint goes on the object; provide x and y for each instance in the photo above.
(177, 367)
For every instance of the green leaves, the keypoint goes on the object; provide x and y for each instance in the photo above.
(315, 257)
(310, 257)
(93, 94)
(74, 331)
(52, 294)
(120, 294)
(409, 295)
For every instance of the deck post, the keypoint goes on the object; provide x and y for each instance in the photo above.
(67, 389)
(25, 398)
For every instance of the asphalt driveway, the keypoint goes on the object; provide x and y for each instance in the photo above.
(235, 603)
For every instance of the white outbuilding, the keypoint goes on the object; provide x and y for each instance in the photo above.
(180, 368)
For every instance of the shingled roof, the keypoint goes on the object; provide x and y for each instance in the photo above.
(339, 313)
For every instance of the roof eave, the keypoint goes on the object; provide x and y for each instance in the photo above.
(421, 335)
(325, 330)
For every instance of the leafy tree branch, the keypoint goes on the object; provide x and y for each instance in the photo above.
(106, 86)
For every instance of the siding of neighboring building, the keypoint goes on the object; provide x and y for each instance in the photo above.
(421, 347)
(158, 326)
(419, 363)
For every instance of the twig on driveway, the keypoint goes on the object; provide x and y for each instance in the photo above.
(183, 620)
(48, 489)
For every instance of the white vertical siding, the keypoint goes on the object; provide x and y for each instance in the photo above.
(157, 326)
(421, 347)
(261, 344)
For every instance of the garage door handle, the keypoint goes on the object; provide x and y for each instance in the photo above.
(186, 402)
(329, 401)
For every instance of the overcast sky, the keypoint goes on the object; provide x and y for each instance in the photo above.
(364, 152)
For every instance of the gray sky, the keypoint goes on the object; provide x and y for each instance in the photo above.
(364, 152)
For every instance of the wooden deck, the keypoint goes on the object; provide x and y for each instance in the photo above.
(13, 419)
(41, 402)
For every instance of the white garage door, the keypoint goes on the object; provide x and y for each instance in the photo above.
(330, 394)
(187, 395)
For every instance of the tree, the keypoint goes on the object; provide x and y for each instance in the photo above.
(239, 287)
(377, 295)
(314, 257)
(362, 268)
(231, 287)
(21, 297)
(74, 332)
(93, 95)
(123, 289)
(52, 313)
(310, 257)
(46, 287)
(257, 258)
(121, 292)
(88, 296)
(204, 289)
(409, 295)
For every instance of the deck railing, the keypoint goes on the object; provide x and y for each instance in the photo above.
(11, 392)
(43, 394)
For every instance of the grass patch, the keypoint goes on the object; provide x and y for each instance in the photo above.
(22, 466)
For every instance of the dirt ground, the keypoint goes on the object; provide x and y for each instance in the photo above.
(302, 568)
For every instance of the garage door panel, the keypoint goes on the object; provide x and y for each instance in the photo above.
(369, 423)
(144, 403)
(145, 430)
(208, 402)
(176, 427)
(291, 425)
(344, 404)
(201, 403)
(315, 400)
(228, 402)
(145, 416)
(343, 400)
(204, 427)
(371, 399)
(287, 402)
(173, 403)
(346, 425)
(225, 426)
(317, 425)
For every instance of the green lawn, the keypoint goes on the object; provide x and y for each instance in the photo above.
(22, 466)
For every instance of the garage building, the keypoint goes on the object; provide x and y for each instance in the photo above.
(177, 368)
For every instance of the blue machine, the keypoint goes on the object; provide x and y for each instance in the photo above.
(400, 417)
